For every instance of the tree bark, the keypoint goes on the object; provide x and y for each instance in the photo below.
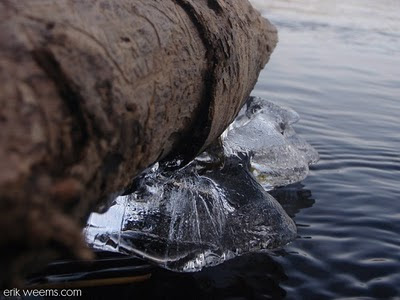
(92, 92)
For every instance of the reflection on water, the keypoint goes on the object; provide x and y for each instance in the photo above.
(338, 65)
(293, 198)
(250, 277)
(254, 276)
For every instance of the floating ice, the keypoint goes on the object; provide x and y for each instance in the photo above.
(263, 131)
(213, 209)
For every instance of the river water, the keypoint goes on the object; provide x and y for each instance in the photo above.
(338, 65)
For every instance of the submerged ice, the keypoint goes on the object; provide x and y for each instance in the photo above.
(216, 207)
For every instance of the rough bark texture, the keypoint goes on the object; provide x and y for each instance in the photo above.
(92, 92)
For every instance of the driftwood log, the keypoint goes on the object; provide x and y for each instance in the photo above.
(92, 92)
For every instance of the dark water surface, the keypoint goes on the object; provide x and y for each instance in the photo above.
(338, 65)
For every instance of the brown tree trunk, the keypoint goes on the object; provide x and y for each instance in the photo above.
(92, 92)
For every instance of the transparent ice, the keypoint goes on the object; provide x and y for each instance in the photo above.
(263, 131)
(214, 208)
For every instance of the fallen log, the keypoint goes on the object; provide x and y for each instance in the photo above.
(93, 92)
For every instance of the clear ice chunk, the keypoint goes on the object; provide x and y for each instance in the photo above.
(263, 131)
(214, 208)
(188, 219)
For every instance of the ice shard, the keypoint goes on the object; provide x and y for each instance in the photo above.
(264, 132)
(214, 208)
